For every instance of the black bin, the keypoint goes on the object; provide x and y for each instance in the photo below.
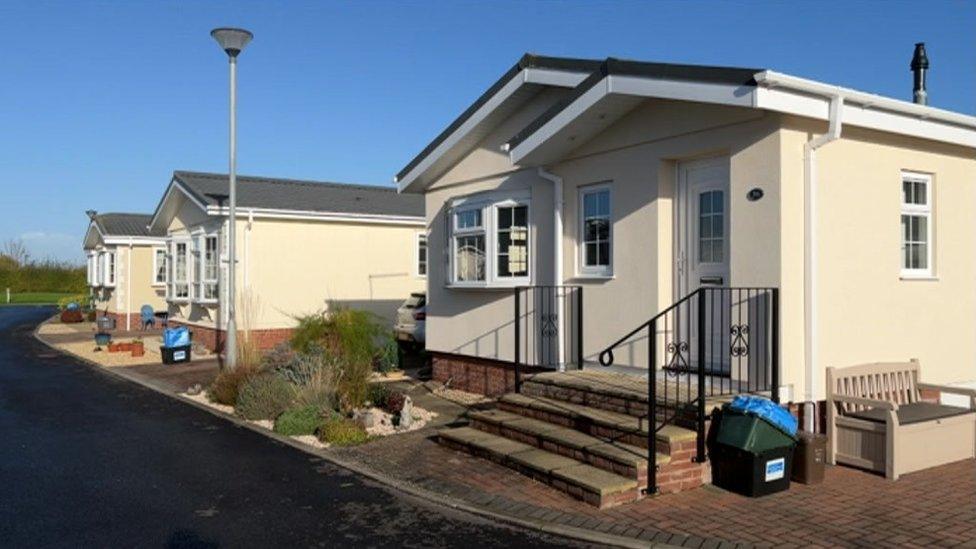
(749, 455)
(175, 355)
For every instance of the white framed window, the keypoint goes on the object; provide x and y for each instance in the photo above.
(595, 231)
(109, 269)
(181, 271)
(91, 269)
(489, 241)
(916, 225)
(159, 267)
(211, 268)
(710, 245)
(512, 241)
(422, 255)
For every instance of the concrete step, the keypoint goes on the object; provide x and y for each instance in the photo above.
(593, 485)
(619, 458)
(597, 422)
(619, 393)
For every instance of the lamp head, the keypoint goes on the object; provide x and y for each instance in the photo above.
(231, 40)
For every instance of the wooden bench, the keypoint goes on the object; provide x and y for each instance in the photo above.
(876, 420)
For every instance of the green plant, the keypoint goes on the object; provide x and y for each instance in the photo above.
(81, 299)
(377, 394)
(298, 421)
(227, 385)
(311, 330)
(342, 432)
(387, 359)
(280, 356)
(264, 396)
(394, 402)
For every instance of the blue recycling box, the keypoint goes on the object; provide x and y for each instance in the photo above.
(176, 345)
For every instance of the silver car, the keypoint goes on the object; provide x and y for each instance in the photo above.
(410, 327)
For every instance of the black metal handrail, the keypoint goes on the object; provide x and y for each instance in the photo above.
(717, 341)
(542, 313)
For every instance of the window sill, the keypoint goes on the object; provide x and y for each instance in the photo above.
(158, 285)
(594, 276)
(922, 277)
(486, 286)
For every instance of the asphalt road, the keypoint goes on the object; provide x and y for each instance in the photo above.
(87, 459)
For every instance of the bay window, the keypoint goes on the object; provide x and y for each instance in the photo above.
(211, 268)
(181, 271)
(159, 266)
(916, 225)
(595, 238)
(499, 224)
(108, 272)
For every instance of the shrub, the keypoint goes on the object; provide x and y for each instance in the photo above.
(377, 394)
(315, 374)
(349, 335)
(388, 357)
(342, 432)
(298, 421)
(280, 356)
(227, 385)
(394, 402)
(264, 397)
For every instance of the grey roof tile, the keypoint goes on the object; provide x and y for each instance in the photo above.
(306, 196)
(124, 224)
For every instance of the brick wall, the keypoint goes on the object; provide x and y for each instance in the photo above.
(213, 339)
(475, 375)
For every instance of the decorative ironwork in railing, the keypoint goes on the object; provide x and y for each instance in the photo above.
(548, 328)
(714, 342)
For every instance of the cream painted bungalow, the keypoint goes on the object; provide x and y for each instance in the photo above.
(126, 264)
(771, 226)
(301, 246)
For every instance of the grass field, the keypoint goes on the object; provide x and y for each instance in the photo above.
(32, 298)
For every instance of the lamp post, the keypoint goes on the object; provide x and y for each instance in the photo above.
(232, 41)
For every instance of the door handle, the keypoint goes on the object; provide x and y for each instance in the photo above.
(711, 280)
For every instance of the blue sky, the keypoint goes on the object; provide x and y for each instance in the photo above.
(101, 101)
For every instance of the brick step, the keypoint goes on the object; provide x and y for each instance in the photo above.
(617, 427)
(622, 459)
(595, 486)
(619, 393)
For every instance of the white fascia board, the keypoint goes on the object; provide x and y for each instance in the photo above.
(808, 98)
(702, 92)
(723, 94)
(560, 121)
(174, 185)
(136, 240)
(548, 77)
(268, 213)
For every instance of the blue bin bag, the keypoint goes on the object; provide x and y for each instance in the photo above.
(775, 414)
(176, 337)
(73, 306)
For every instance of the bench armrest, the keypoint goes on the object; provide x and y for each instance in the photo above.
(948, 389)
(871, 403)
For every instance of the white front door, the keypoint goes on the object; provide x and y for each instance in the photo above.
(703, 253)
(703, 224)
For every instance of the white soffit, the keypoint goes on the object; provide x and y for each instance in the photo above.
(440, 155)
(536, 148)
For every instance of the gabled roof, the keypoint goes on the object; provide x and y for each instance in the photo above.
(613, 87)
(124, 224)
(654, 71)
(290, 198)
(115, 228)
(529, 75)
(268, 193)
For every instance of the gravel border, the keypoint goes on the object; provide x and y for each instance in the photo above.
(430, 497)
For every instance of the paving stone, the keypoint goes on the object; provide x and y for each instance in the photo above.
(541, 460)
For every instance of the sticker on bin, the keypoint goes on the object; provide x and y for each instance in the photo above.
(181, 355)
(775, 469)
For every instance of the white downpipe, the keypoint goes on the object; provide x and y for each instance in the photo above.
(247, 250)
(128, 289)
(811, 335)
(557, 258)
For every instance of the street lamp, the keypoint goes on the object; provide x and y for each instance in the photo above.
(232, 41)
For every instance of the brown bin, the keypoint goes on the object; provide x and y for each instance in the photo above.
(809, 458)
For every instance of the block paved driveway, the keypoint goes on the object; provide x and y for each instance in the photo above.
(852, 508)
(87, 459)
